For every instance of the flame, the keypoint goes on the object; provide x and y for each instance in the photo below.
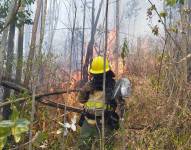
(51, 89)
(76, 75)
(111, 51)
(111, 40)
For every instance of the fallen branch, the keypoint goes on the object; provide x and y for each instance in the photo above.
(61, 106)
(14, 86)
(44, 102)
(57, 93)
(38, 98)
(20, 88)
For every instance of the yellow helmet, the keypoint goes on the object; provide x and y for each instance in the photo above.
(97, 65)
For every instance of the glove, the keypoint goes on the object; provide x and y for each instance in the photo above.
(87, 87)
(81, 121)
(83, 95)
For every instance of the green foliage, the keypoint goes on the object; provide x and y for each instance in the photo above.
(21, 126)
(174, 29)
(22, 17)
(42, 137)
(27, 2)
(3, 11)
(14, 126)
(155, 30)
(3, 140)
(125, 50)
(150, 11)
(170, 2)
(15, 114)
(24, 13)
(163, 14)
(5, 127)
(180, 1)
(163, 57)
(174, 2)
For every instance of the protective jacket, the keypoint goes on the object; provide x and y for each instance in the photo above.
(91, 95)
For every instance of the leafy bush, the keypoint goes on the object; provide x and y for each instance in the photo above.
(15, 127)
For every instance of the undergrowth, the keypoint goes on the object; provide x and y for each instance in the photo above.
(155, 120)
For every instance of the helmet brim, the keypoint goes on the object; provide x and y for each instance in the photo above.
(98, 72)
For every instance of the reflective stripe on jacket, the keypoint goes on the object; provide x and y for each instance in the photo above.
(95, 101)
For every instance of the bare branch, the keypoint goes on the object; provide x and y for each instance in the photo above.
(39, 99)
(177, 45)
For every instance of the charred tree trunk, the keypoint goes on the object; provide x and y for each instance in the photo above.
(33, 45)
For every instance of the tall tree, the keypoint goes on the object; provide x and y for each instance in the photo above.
(2, 51)
(116, 52)
(43, 21)
(9, 14)
(23, 17)
(184, 43)
(10, 54)
(42, 33)
(20, 55)
(131, 12)
(189, 40)
(53, 15)
(89, 53)
(83, 34)
(12, 12)
(32, 44)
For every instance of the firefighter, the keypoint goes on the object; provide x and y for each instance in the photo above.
(91, 95)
